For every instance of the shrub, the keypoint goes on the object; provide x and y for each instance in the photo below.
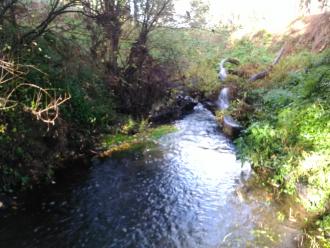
(291, 128)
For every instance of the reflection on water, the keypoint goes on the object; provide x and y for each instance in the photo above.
(179, 193)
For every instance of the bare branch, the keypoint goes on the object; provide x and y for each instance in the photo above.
(56, 9)
(13, 76)
(266, 72)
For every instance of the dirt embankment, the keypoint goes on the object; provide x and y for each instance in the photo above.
(309, 32)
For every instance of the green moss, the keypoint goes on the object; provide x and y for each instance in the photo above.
(121, 142)
(116, 139)
(158, 132)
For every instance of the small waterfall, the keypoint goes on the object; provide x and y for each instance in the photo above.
(222, 70)
(223, 102)
(223, 99)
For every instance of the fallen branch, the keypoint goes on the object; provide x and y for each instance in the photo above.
(265, 73)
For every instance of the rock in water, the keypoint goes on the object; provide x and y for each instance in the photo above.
(176, 109)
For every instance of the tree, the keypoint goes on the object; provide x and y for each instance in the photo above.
(133, 71)
(196, 16)
(147, 14)
(5, 6)
(16, 15)
(111, 16)
(143, 79)
(19, 28)
(54, 8)
(323, 4)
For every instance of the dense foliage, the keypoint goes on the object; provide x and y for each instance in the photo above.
(78, 72)
(69, 69)
(92, 67)
(287, 138)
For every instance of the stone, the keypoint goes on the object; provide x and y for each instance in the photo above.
(180, 106)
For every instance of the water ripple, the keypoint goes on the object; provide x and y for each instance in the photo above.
(178, 194)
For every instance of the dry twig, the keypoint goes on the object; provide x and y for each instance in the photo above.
(12, 79)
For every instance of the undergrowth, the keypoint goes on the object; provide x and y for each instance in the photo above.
(288, 136)
(133, 135)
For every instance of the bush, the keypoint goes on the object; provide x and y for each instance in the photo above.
(290, 135)
(192, 55)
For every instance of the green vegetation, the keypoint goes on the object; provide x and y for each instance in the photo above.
(157, 133)
(75, 76)
(192, 55)
(49, 74)
(68, 77)
(124, 141)
(253, 50)
(287, 139)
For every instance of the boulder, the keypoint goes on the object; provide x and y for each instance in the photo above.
(173, 109)
(230, 127)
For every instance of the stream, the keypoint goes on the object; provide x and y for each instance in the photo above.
(180, 192)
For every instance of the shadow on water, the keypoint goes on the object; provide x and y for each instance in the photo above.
(178, 193)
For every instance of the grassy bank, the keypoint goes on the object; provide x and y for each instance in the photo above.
(123, 140)
(287, 138)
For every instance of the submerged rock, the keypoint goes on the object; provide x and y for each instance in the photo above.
(231, 127)
(211, 106)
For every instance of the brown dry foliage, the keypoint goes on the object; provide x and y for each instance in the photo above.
(312, 32)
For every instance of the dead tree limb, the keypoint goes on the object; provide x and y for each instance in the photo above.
(266, 72)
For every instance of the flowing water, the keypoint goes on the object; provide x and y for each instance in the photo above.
(223, 99)
(181, 192)
(223, 103)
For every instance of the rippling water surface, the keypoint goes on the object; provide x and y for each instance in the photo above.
(179, 193)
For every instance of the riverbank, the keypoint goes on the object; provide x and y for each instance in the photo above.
(182, 191)
(287, 136)
(47, 152)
